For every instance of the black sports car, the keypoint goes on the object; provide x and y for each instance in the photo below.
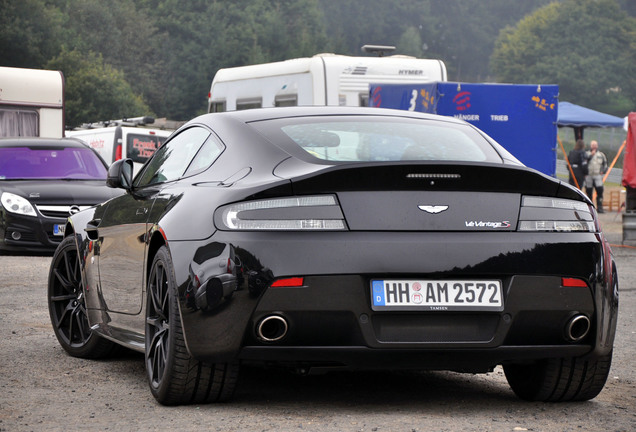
(328, 238)
(42, 182)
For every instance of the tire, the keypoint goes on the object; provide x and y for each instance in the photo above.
(67, 308)
(175, 378)
(559, 380)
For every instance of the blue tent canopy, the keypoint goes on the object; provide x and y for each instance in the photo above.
(580, 117)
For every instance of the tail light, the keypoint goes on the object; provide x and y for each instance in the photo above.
(555, 215)
(302, 213)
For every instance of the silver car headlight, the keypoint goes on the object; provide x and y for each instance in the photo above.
(16, 204)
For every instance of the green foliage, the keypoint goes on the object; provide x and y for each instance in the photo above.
(127, 39)
(203, 37)
(95, 90)
(30, 32)
(587, 47)
(410, 43)
(167, 51)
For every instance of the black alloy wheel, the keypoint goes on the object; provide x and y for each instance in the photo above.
(173, 375)
(67, 307)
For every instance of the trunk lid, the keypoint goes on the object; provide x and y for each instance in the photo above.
(430, 197)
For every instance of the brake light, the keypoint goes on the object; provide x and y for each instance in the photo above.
(118, 152)
(289, 282)
(573, 282)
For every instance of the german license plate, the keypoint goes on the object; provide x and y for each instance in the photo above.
(58, 229)
(436, 295)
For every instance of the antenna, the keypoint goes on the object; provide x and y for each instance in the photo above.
(380, 50)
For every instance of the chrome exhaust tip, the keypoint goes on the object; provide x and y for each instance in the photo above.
(272, 328)
(577, 328)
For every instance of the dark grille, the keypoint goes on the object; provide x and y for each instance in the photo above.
(55, 214)
(59, 211)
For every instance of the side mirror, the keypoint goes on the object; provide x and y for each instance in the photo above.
(120, 174)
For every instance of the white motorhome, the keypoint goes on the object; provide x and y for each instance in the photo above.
(126, 138)
(31, 103)
(324, 79)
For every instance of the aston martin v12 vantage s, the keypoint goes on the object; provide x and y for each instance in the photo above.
(334, 237)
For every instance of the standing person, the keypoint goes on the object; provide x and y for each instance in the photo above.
(596, 167)
(578, 163)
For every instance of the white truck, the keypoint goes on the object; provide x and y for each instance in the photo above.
(125, 138)
(31, 103)
(324, 79)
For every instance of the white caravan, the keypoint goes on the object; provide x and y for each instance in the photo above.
(126, 138)
(31, 103)
(324, 79)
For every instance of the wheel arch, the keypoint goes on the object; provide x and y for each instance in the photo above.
(157, 239)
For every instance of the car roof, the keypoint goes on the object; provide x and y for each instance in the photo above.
(41, 142)
(258, 114)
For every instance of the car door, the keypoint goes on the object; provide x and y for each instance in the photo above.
(124, 226)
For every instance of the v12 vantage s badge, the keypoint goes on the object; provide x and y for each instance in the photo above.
(487, 224)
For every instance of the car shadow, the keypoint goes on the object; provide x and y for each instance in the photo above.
(371, 390)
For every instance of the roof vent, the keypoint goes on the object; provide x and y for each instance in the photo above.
(380, 50)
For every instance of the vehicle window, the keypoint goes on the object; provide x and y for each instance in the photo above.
(248, 104)
(217, 107)
(71, 163)
(172, 159)
(286, 100)
(18, 122)
(141, 147)
(372, 138)
(205, 156)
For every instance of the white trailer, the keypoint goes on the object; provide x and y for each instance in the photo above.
(31, 102)
(324, 79)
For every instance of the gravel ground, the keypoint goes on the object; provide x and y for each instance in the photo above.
(43, 389)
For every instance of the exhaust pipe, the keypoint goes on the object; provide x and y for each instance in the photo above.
(272, 328)
(577, 328)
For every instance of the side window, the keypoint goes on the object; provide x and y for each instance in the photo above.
(173, 158)
(16, 122)
(218, 106)
(204, 158)
(286, 100)
(248, 104)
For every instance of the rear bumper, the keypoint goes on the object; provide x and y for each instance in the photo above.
(330, 318)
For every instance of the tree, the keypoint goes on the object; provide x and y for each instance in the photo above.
(127, 39)
(587, 47)
(95, 90)
(410, 43)
(201, 37)
(30, 33)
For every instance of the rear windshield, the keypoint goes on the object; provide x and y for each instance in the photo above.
(372, 138)
(71, 163)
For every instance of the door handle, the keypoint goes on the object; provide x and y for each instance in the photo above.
(141, 211)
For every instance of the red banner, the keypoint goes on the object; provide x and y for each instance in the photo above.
(629, 163)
